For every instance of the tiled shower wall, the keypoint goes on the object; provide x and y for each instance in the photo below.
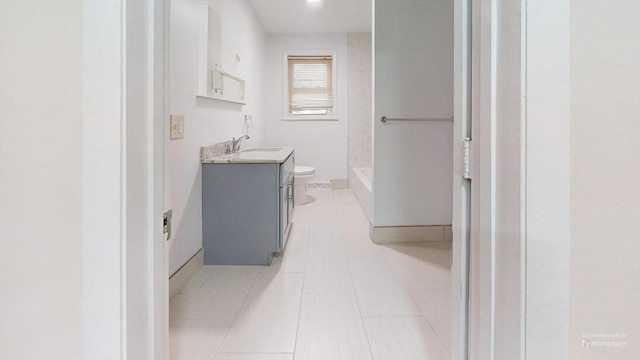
(360, 100)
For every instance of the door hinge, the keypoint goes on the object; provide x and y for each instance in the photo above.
(464, 159)
(166, 223)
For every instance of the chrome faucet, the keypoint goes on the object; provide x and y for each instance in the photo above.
(235, 144)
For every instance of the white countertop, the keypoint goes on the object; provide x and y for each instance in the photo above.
(274, 155)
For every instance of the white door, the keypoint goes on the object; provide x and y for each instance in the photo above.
(461, 185)
(162, 194)
(488, 217)
(148, 123)
(482, 186)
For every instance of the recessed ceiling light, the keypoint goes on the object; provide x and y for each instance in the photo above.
(313, 1)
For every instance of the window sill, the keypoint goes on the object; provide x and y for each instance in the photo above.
(310, 118)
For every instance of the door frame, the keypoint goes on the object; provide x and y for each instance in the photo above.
(474, 217)
(461, 186)
(497, 225)
(489, 222)
(125, 124)
(161, 177)
(482, 226)
(490, 255)
(473, 222)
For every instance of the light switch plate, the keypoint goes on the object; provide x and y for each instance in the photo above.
(177, 127)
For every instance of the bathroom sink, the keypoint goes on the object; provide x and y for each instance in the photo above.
(263, 149)
(255, 155)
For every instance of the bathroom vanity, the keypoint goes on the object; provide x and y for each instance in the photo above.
(247, 205)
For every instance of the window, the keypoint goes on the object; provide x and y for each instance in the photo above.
(310, 86)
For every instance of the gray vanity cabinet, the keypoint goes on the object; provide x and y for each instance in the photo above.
(246, 211)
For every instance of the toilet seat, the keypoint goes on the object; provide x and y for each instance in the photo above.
(304, 170)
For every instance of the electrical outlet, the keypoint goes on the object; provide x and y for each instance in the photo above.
(177, 127)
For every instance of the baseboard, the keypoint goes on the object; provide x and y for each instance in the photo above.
(180, 277)
(318, 186)
(395, 234)
(339, 184)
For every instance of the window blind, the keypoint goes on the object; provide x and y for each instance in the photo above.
(310, 85)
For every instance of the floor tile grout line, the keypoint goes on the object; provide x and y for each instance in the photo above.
(436, 333)
(209, 294)
(253, 353)
(189, 295)
(404, 287)
(392, 268)
(258, 352)
(200, 283)
(304, 273)
(353, 284)
(366, 333)
(235, 317)
(393, 316)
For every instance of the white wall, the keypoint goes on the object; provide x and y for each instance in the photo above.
(208, 121)
(360, 100)
(509, 181)
(321, 144)
(41, 180)
(583, 192)
(413, 162)
(547, 179)
(605, 179)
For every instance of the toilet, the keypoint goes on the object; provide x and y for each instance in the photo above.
(302, 175)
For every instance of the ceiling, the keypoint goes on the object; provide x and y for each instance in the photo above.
(326, 16)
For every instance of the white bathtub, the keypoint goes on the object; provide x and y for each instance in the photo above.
(361, 185)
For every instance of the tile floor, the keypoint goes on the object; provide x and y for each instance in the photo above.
(332, 294)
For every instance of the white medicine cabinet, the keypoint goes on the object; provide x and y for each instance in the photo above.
(215, 82)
